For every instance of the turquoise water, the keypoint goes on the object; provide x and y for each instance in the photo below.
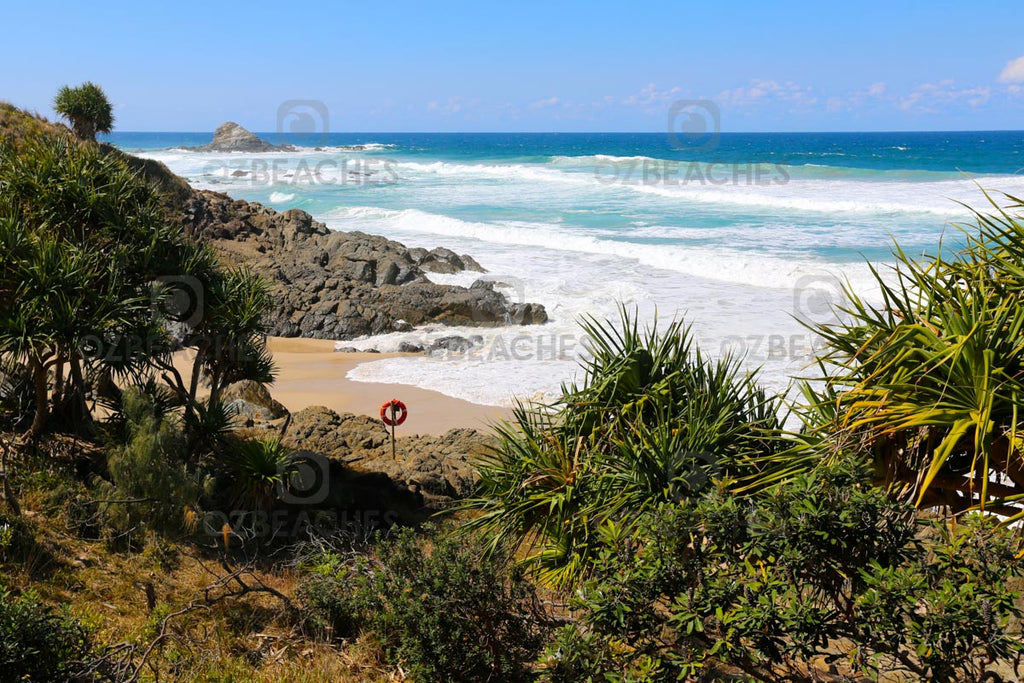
(743, 235)
(1000, 152)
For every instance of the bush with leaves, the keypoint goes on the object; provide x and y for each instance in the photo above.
(37, 643)
(256, 470)
(926, 384)
(150, 487)
(825, 569)
(338, 591)
(652, 421)
(16, 538)
(577, 655)
(438, 606)
(93, 277)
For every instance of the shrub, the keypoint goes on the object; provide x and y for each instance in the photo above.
(446, 613)
(16, 538)
(652, 421)
(148, 474)
(824, 568)
(257, 468)
(37, 643)
(339, 593)
(577, 655)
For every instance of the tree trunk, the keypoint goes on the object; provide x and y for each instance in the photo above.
(42, 398)
(58, 381)
(12, 501)
(215, 388)
(80, 411)
(193, 389)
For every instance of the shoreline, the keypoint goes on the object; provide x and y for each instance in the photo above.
(311, 373)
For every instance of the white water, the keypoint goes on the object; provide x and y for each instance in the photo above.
(738, 260)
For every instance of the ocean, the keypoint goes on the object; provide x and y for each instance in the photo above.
(745, 236)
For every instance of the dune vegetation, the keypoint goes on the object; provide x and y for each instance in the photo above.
(664, 520)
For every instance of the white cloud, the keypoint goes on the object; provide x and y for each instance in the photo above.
(548, 102)
(929, 97)
(651, 95)
(835, 104)
(1013, 72)
(875, 90)
(763, 90)
(453, 105)
(857, 98)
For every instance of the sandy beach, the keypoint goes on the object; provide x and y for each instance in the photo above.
(311, 373)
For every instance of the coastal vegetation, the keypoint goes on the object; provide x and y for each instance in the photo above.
(87, 108)
(653, 420)
(666, 519)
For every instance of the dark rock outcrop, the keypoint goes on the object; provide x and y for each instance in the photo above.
(441, 260)
(252, 402)
(437, 468)
(453, 344)
(341, 285)
(231, 137)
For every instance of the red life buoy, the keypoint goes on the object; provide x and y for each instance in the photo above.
(398, 412)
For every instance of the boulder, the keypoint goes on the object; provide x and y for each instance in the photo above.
(248, 414)
(452, 344)
(231, 137)
(439, 469)
(441, 260)
(527, 314)
(470, 263)
(252, 399)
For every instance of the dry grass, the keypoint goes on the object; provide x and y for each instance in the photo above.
(133, 597)
(17, 124)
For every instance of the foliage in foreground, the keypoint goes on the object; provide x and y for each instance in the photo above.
(927, 385)
(824, 571)
(443, 611)
(106, 290)
(652, 421)
(37, 643)
(150, 487)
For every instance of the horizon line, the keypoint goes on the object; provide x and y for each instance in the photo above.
(587, 132)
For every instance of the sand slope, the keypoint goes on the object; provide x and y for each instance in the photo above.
(311, 373)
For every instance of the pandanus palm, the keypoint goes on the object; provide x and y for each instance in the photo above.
(258, 469)
(87, 108)
(224, 325)
(83, 235)
(60, 309)
(651, 420)
(89, 265)
(928, 383)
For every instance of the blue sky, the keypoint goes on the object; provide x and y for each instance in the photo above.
(528, 66)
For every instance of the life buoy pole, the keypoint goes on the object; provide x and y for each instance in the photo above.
(392, 414)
